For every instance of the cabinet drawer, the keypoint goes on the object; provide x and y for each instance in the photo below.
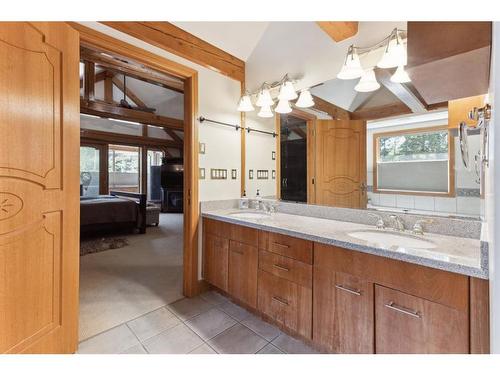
(215, 260)
(287, 303)
(286, 268)
(242, 279)
(409, 324)
(291, 247)
(216, 227)
(246, 235)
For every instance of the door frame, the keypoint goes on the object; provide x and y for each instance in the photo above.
(311, 163)
(92, 38)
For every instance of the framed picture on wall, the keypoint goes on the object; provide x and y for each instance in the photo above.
(234, 174)
(202, 148)
(250, 174)
(201, 174)
(273, 155)
(273, 174)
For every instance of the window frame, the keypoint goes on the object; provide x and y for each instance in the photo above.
(451, 161)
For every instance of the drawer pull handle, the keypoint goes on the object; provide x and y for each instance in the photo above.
(281, 245)
(281, 267)
(356, 292)
(391, 305)
(280, 300)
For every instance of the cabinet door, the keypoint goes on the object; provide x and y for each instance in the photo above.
(242, 283)
(409, 324)
(343, 312)
(288, 303)
(215, 261)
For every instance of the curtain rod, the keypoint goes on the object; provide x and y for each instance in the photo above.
(237, 127)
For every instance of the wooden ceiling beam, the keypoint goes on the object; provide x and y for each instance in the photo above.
(339, 31)
(299, 132)
(89, 77)
(136, 71)
(174, 136)
(401, 91)
(103, 109)
(335, 112)
(384, 111)
(177, 41)
(108, 137)
(119, 84)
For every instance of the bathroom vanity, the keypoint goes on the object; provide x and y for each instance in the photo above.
(337, 284)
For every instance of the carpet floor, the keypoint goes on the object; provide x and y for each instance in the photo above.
(121, 284)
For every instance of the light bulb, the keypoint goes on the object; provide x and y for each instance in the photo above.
(283, 106)
(368, 82)
(305, 99)
(245, 104)
(264, 98)
(352, 66)
(287, 91)
(265, 111)
(400, 76)
(394, 55)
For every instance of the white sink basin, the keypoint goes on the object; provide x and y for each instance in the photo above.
(393, 239)
(249, 215)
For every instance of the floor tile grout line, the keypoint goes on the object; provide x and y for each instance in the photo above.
(137, 337)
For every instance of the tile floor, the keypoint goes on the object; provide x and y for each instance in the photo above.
(207, 324)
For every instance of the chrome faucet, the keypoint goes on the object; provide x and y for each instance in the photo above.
(418, 227)
(399, 224)
(380, 224)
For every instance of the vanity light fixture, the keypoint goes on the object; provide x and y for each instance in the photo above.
(368, 82)
(265, 100)
(394, 55)
(305, 99)
(245, 104)
(352, 66)
(283, 106)
(400, 76)
(265, 111)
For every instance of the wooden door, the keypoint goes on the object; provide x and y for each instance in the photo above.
(242, 280)
(39, 187)
(340, 163)
(409, 324)
(215, 260)
(343, 309)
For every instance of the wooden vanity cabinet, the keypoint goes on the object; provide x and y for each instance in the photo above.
(215, 261)
(242, 272)
(406, 324)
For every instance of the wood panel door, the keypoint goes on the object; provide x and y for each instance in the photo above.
(341, 163)
(406, 324)
(242, 273)
(215, 260)
(39, 187)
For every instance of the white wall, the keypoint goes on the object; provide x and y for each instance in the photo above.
(459, 205)
(492, 205)
(258, 155)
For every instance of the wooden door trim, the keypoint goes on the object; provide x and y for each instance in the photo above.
(98, 40)
(451, 162)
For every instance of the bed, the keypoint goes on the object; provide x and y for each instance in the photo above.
(116, 211)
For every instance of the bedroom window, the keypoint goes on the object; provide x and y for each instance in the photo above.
(89, 171)
(124, 168)
(415, 161)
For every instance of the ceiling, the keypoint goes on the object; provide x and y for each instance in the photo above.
(237, 38)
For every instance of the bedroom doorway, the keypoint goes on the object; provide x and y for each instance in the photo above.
(129, 133)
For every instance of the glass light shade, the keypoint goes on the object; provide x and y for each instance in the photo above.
(283, 106)
(287, 91)
(394, 55)
(245, 104)
(265, 111)
(400, 75)
(305, 100)
(368, 82)
(352, 67)
(264, 98)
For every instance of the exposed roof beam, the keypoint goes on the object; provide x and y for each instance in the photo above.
(339, 31)
(103, 109)
(129, 93)
(108, 87)
(331, 109)
(299, 132)
(89, 77)
(103, 136)
(402, 92)
(381, 112)
(174, 136)
(175, 40)
(136, 71)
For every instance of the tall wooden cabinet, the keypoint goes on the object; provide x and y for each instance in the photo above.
(242, 272)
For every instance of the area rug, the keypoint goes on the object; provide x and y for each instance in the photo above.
(101, 244)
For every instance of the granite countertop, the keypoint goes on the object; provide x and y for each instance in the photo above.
(466, 256)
